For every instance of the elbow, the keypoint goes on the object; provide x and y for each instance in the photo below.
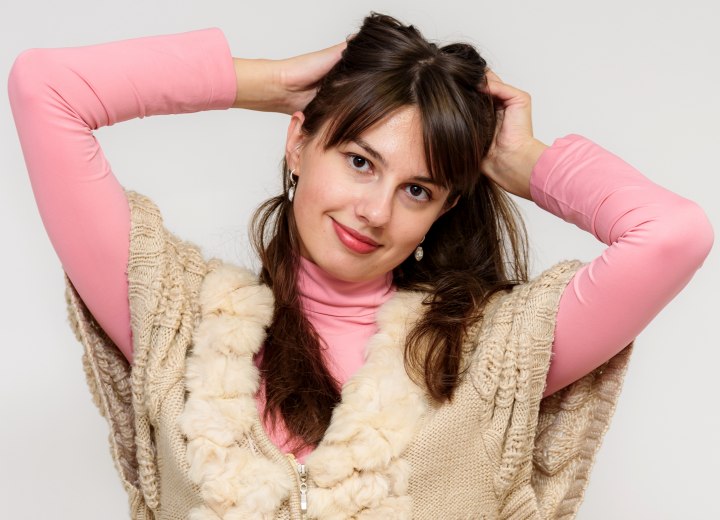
(27, 76)
(690, 234)
(703, 235)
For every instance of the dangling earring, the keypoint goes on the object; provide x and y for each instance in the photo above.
(293, 182)
(419, 251)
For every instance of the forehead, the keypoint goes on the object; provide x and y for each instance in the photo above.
(397, 140)
(403, 127)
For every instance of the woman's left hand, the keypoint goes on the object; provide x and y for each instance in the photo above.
(514, 151)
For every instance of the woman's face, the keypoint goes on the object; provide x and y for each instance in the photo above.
(363, 207)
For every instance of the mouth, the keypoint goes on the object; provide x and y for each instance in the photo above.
(356, 242)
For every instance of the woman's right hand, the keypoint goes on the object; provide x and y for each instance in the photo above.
(284, 86)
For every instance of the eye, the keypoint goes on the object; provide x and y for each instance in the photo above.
(359, 163)
(417, 193)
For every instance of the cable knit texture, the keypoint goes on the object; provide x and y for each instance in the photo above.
(188, 442)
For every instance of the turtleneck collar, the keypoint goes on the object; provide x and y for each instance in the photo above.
(357, 302)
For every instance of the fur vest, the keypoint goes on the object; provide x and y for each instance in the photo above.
(187, 440)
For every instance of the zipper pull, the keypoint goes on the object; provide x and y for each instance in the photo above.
(303, 488)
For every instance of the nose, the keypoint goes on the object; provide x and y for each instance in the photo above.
(374, 205)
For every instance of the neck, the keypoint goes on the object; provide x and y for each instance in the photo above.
(324, 296)
(342, 313)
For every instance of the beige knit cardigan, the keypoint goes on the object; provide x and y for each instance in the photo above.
(188, 443)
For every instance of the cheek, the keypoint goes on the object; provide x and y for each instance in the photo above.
(323, 186)
(411, 238)
(317, 196)
(412, 228)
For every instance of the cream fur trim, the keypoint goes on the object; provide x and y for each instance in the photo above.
(220, 410)
(357, 466)
(355, 472)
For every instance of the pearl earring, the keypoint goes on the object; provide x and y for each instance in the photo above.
(419, 253)
(293, 182)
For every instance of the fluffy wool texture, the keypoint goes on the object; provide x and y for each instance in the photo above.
(188, 441)
(220, 411)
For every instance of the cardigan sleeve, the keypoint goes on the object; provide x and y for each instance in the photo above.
(548, 444)
(572, 422)
(164, 279)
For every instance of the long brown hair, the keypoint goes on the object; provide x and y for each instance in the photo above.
(475, 249)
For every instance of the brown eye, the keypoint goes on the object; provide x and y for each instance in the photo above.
(417, 193)
(359, 162)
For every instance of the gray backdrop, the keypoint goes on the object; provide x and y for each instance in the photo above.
(639, 78)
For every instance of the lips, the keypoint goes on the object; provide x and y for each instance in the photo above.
(356, 242)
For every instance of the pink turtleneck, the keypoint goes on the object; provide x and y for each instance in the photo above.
(343, 313)
(656, 239)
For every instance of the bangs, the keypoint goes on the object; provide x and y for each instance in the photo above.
(361, 105)
(452, 138)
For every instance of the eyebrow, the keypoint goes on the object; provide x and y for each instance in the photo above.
(378, 156)
(425, 179)
(370, 150)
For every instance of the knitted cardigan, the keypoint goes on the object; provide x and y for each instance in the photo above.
(188, 442)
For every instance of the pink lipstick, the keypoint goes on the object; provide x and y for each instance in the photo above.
(356, 242)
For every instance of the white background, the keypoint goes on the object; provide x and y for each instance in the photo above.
(638, 77)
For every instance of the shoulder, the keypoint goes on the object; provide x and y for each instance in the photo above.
(539, 294)
(511, 345)
(173, 266)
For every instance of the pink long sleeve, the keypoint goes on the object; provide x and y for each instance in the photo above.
(657, 240)
(58, 97)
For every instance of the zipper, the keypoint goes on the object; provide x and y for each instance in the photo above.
(302, 472)
(302, 485)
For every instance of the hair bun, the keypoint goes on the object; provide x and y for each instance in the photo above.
(466, 52)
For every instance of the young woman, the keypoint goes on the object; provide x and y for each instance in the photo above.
(392, 359)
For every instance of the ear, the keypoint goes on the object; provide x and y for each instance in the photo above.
(295, 139)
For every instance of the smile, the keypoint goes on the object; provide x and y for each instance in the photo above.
(356, 242)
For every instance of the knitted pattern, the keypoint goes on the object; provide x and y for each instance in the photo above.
(188, 443)
(108, 376)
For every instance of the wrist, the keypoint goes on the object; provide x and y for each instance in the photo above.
(519, 167)
(532, 154)
(256, 84)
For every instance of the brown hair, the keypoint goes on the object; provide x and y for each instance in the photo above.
(477, 248)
